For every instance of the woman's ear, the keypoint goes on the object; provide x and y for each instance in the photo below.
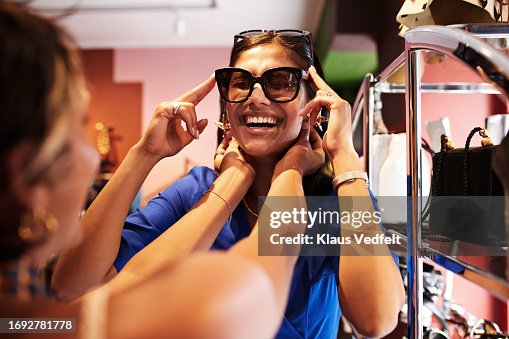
(27, 193)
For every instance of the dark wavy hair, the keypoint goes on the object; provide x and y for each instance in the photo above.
(300, 50)
(40, 81)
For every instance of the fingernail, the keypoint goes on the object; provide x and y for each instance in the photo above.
(301, 113)
(197, 134)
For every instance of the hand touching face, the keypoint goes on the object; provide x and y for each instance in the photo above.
(338, 138)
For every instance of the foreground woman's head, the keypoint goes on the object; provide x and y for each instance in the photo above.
(265, 87)
(47, 161)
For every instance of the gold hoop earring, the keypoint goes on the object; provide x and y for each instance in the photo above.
(39, 216)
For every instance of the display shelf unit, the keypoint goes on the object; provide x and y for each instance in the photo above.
(477, 47)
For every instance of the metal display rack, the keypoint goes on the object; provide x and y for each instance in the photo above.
(474, 46)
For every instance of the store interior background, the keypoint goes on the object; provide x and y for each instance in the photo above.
(135, 59)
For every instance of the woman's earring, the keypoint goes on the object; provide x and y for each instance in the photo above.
(321, 119)
(39, 217)
(223, 124)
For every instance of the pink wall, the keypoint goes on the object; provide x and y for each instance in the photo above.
(465, 111)
(165, 75)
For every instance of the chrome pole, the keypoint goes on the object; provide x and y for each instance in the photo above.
(368, 122)
(413, 110)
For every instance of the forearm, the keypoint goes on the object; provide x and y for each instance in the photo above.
(278, 268)
(88, 264)
(371, 289)
(198, 228)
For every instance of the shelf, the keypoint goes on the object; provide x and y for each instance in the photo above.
(444, 87)
(484, 50)
(488, 270)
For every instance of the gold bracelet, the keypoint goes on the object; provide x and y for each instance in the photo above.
(226, 202)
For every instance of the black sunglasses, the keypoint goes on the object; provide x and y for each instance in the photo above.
(284, 32)
(279, 84)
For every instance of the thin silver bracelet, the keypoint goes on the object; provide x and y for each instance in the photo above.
(349, 176)
(226, 202)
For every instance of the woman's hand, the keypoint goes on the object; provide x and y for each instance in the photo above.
(229, 155)
(338, 138)
(165, 135)
(306, 155)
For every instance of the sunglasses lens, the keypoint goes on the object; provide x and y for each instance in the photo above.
(281, 85)
(233, 85)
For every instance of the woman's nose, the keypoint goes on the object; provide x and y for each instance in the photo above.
(258, 97)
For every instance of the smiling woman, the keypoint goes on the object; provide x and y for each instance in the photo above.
(272, 93)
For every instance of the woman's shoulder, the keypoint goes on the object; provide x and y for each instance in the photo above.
(190, 187)
(198, 177)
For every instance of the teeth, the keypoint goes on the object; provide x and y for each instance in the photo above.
(261, 120)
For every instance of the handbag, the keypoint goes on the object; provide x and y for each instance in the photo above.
(416, 13)
(467, 197)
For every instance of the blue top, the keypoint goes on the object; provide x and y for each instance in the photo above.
(313, 309)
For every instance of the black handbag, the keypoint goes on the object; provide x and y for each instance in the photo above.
(467, 200)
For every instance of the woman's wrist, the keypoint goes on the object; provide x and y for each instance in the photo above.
(242, 176)
(141, 154)
(143, 159)
(346, 161)
(284, 166)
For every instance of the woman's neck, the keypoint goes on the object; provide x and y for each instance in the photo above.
(264, 169)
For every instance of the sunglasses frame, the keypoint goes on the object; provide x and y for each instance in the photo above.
(299, 73)
(285, 32)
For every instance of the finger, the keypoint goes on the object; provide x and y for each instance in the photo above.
(304, 133)
(233, 146)
(196, 94)
(317, 80)
(201, 125)
(315, 104)
(187, 113)
(221, 148)
(220, 152)
(313, 115)
(228, 134)
(165, 110)
(311, 110)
